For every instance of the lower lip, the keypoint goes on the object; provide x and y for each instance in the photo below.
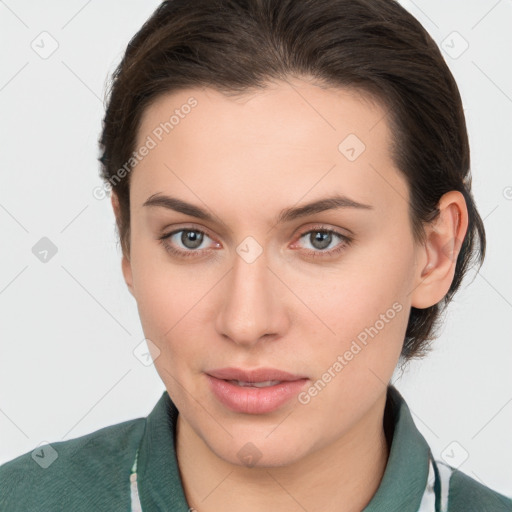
(251, 400)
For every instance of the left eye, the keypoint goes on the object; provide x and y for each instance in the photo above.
(190, 239)
(321, 239)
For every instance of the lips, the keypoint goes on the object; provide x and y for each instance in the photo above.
(257, 375)
(259, 391)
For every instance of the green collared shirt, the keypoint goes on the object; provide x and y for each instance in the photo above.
(132, 466)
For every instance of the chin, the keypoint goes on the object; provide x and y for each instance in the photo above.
(259, 452)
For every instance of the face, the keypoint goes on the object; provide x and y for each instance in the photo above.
(257, 281)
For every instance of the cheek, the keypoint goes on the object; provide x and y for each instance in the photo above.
(173, 301)
(366, 286)
(158, 301)
(352, 367)
(168, 299)
(367, 329)
(366, 307)
(169, 304)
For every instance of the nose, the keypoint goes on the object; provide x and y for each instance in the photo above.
(251, 307)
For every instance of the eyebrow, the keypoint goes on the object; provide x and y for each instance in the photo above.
(286, 215)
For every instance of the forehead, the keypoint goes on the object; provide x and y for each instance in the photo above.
(295, 112)
(281, 139)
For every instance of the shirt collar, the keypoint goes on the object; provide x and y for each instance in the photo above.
(406, 474)
(401, 488)
(158, 476)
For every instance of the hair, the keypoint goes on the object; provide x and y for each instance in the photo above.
(368, 46)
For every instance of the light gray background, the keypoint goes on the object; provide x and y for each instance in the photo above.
(69, 326)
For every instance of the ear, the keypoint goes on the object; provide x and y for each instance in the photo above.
(438, 255)
(125, 262)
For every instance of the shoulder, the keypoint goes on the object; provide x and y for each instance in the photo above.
(467, 494)
(86, 473)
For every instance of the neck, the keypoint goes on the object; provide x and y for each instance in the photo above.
(342, 476)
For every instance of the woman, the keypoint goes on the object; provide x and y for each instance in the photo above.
(291, 186)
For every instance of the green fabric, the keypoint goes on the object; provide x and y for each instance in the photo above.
(406, 473)
(157, 468)
(92, 472)
(468, 494)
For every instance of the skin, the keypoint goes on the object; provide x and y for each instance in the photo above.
(244, 159)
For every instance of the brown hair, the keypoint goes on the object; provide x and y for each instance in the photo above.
(374, 46)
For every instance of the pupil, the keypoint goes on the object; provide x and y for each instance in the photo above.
(322, 240)
(191, 239)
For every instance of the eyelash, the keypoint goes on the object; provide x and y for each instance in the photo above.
(345, 242)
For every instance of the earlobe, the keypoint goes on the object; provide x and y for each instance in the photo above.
(444, 237)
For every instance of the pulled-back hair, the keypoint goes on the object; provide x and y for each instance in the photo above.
(371, 46)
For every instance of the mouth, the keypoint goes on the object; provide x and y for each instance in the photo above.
(259, 391)
(258, 375)
(264, 384)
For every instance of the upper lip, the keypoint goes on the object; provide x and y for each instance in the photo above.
(256, 375)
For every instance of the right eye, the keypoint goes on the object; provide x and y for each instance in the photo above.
(185, 242)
